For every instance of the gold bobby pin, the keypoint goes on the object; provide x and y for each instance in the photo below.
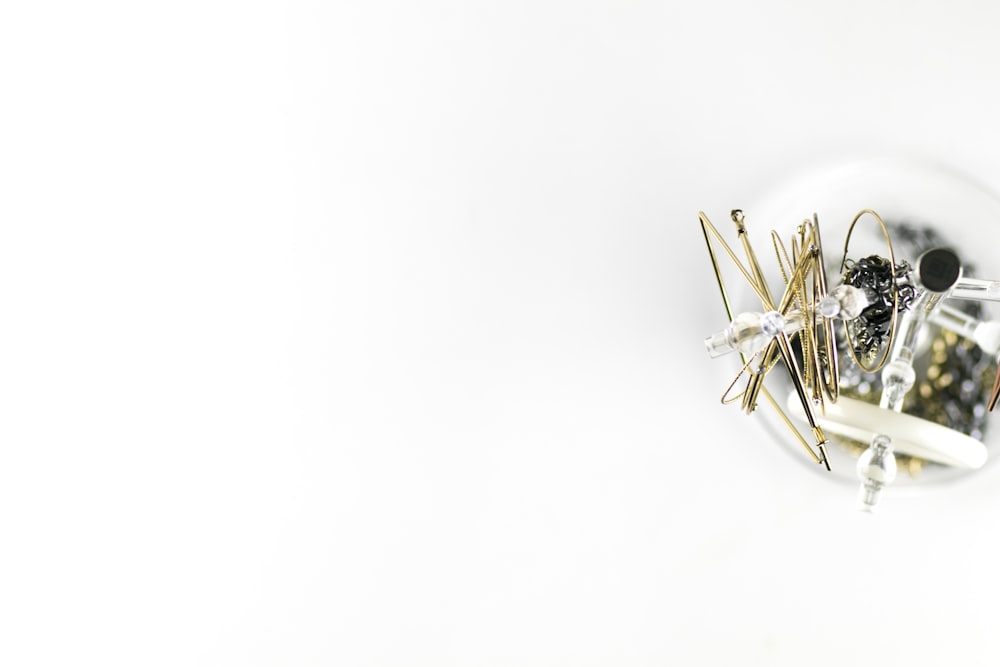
(804, 285)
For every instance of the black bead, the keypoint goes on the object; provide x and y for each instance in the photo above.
(939, 269)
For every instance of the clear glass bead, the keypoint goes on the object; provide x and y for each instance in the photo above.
(751, 332)
(851, 301)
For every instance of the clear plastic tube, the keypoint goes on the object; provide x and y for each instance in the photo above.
(974, 288)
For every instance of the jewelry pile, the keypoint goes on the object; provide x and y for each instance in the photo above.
(894, 359)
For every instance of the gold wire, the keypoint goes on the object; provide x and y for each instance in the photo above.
(794, 430)
(831, 384)
(741, 231)
(895, 293)
(706, 227)
(756, 382)
(799, 378)
(726, 399)
(782, 254)
(794, 372)
(759, 285)
(753, 388)
(797, 287)
(806, 335)
(814, 285)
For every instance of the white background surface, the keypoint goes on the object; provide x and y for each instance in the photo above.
(370, 334)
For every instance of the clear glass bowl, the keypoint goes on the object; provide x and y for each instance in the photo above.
(953, 205)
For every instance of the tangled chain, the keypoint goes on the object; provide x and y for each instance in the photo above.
(885, 283)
